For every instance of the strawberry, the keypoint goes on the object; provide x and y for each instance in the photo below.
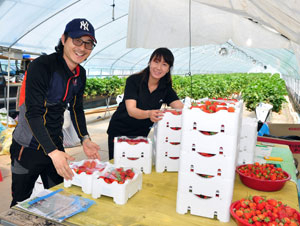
(93, 165)
(213, 108)
(221, 108)
(87, 164)
(231, 109)
(239, 213)
(207, 103)
(272, 202)
(290, 211)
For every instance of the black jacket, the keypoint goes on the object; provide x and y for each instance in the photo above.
(50, 86)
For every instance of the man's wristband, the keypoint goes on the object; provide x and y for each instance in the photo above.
(85, 137)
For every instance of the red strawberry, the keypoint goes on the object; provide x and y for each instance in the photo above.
(272, 202)
(257, 199)
(231, 109)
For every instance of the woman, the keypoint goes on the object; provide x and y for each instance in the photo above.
(144, 94)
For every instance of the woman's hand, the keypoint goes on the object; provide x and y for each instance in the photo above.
(155, 115)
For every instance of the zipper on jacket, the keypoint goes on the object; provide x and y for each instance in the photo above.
(76, 75)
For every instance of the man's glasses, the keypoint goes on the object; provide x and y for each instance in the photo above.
(78, 42)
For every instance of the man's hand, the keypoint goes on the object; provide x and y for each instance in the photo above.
(60, 162)
(91, 149)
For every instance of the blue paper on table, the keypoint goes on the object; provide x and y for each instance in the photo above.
(56, 206)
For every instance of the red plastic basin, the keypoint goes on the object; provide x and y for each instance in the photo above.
(243, 222)
(262, 185)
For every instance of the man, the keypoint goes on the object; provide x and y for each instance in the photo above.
(52, 82)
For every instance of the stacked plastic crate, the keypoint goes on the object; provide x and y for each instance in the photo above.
(209, 146)
(248, 140)
(133, 152)
(167, 138)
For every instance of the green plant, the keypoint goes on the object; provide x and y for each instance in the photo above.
(254, 87)
(108, 86)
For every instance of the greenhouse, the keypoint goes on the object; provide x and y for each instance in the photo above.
(237, 62)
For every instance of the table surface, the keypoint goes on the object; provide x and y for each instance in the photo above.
(155, 204)
(277, 150)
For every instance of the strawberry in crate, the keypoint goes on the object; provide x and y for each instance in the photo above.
(120, 175)
(88, 166)
(212, 106)
(132, 141)
(83, 173)
(120, 183)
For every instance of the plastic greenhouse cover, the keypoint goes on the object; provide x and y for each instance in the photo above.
(36, 25)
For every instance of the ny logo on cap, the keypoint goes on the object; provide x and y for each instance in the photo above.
(84, 25)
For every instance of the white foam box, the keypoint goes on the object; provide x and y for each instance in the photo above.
(167, 163)
(221, 121)
(133, 152)
(218, 207)
(245, 158)
(191, 182)
(247, 141)
(171, 119)
(167, 156)
(119, 192)
(84, 179)
(217, 165)
(168, 129)
(213, 144)
(208, 199)
(167, 138)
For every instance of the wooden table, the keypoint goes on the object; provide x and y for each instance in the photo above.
(155, 204)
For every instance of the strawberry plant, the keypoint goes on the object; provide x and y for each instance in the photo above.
(109, 86)
(254, 87)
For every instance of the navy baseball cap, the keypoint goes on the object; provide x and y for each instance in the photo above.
(80, 27)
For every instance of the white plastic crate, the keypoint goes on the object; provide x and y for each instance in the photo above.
(221, 121)
(248, 140)
(172, 148)
(205, 198)
(167, 139)
(167, 136)
(218, 207)
(213, 144)
(199, 184)
(166, 154)
(84, 179)
(171, 119)
(245, 158)
(169, 128)
(119, 192)
(167, 163)
(136, 153)
(217, 165)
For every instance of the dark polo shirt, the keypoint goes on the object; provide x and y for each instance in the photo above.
(121, 124)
